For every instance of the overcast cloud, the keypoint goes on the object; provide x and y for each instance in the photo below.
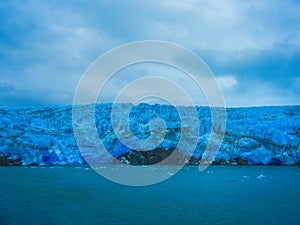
(252, 47)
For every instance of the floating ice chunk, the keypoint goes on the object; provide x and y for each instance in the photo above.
(261, 176)
(100, 167)
(169, 173)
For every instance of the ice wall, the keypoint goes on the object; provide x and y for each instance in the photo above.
(256, 135)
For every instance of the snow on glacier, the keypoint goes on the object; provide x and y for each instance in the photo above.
(44, 135)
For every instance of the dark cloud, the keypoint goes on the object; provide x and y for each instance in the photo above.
(45, 47)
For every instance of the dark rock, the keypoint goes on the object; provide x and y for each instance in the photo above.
(221, 162)
(193, 161)
(241, 161)
(6, 161)
(157, 156)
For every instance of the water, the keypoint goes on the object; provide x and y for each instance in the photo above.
(219, 195)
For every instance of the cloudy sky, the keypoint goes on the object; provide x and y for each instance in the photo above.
(252, 47)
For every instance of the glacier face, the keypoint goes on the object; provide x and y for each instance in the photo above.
(256, 135)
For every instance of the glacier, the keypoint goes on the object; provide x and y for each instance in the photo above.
(255, 135)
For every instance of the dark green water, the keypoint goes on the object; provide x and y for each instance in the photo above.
(219, 195)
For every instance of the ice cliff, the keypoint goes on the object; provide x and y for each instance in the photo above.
(256, 135)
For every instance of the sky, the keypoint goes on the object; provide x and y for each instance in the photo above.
(252, 47)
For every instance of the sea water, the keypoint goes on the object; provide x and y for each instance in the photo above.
(218, 195)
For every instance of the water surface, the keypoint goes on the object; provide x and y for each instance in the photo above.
(219, 195)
